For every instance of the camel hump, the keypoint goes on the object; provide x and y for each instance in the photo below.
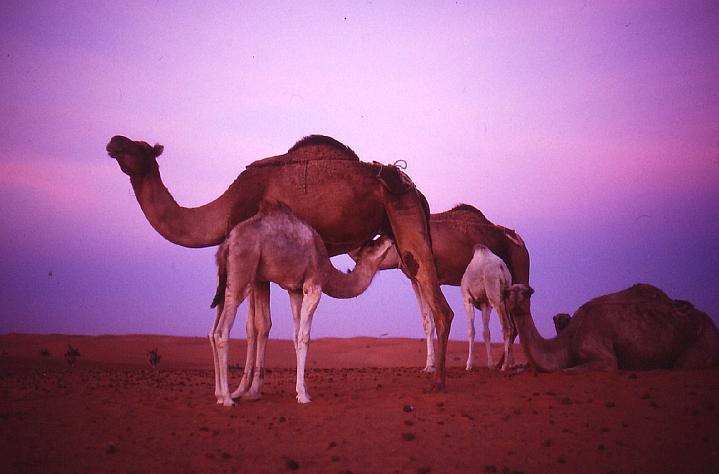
(645, 291)
(311, 148)
(462, 207)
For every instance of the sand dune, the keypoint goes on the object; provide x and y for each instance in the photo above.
(112, 412)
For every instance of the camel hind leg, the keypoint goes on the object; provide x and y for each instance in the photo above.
(469, 307)
(409, 222)
(221, 335)
(262, 326)
(215, 354)
(251, 349)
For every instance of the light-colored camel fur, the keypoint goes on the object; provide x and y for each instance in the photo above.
(639, 328)
(324, 183)
(276, 246)
(454, 234)
(483, 286)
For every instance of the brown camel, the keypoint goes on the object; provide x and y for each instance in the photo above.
(275, 245)
(325, 184)
(639, 328)
(455, 233)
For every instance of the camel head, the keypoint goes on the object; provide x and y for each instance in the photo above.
(373, 252)
(561, 321)
(518, 299)
(136, 158)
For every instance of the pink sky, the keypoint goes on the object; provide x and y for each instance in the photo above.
(592, 129)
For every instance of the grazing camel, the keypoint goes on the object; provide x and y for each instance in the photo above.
(454, 235)
(483, 286)
(325, 184)
(639, 328)
(561, 321)
(277, 246)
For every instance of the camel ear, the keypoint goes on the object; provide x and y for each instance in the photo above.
(529, 291)
(158, 149)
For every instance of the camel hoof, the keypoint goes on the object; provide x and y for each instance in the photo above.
(428, 370)
(252, 396)
(437, 387)
(228, 402)
(468, 368)
(305, 399)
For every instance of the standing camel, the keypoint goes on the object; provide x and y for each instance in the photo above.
(483, 286)
(639, 328)
(276, 246)
(325, 184)
(454, 235)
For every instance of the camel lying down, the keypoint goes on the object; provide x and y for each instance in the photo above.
(637, 328)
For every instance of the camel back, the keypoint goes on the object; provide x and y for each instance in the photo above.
(311, 148)
(321, 148)
(466, 215)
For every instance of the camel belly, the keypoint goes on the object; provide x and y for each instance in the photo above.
(345, 212)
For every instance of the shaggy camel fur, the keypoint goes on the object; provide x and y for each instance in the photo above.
(454, 234)
(483, 286)
(639, 328)
(276, 246)
(347, 201)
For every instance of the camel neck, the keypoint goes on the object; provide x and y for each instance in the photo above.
(202, 226)
(342, 285)
(546, 355)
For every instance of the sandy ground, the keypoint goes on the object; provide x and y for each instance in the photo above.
(112, 412)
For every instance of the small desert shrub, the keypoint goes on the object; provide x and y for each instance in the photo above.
(154, 357)
(71, 354)
(44, 352)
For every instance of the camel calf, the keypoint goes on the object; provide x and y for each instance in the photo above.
(483, 285)
(277, 246)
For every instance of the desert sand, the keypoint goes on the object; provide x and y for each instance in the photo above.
(112, 412)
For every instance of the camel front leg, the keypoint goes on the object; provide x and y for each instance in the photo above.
(310, 300)
(428, 326)
(263, 324)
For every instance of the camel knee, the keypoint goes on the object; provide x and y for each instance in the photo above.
(221, 340)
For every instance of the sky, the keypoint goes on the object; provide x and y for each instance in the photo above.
(592, 128)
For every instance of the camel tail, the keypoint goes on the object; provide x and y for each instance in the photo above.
(221, 259)
(220, 292)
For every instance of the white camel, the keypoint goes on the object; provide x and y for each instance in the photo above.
(276, 246)
(482, 286)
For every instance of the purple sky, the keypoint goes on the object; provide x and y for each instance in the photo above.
(590, 127)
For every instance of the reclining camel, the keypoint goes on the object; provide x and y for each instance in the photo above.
(276, 246)
(639, 328)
